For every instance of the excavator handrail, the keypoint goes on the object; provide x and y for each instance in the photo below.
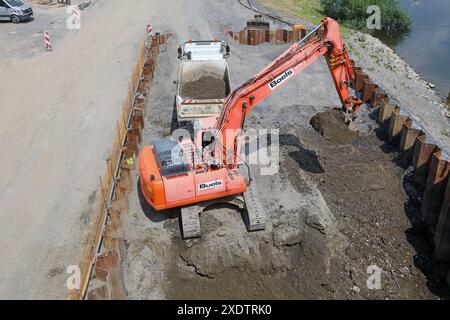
(317, 28)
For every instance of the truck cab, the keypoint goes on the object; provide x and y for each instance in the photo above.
(203, 80)
(15, 11)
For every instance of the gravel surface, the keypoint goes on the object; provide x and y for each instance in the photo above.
(205, 88)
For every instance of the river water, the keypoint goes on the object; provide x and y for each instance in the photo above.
(426, 47)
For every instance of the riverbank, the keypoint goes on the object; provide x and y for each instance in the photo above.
(398, 79)
(403, 84)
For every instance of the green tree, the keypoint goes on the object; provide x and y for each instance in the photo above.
(354, 14)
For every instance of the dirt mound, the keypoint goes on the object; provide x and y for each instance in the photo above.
(331, 125)
(205, 88)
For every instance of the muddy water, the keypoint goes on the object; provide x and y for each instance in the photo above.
(427, 46)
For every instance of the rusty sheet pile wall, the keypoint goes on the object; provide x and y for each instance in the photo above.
(104, 246)
(431, 171)
(257, 36)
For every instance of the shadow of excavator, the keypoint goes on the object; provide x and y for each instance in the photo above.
(306, 159)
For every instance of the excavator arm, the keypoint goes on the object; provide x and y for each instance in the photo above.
(325, 40)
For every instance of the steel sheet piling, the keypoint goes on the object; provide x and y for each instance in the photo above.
(421, 159)
(434, 190)
(442, 236)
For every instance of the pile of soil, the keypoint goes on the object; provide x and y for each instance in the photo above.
(331, 125)
(205, 88)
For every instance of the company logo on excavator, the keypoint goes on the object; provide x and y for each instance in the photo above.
(280, 79)
(209, 185)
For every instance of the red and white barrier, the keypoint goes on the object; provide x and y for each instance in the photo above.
(48, 44)
(149, 30)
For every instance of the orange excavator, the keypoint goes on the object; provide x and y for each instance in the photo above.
(193, 174)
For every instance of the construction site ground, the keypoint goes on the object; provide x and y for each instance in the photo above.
(334, 208)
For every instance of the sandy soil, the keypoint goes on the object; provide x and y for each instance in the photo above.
(334, 208)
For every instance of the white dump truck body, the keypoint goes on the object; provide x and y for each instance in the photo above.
(201, 59)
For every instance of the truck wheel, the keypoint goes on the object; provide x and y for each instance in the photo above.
(15, 19)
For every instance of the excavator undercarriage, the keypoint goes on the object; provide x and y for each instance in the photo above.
(249, 202)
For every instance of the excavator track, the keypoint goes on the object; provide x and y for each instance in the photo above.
(249, 201)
